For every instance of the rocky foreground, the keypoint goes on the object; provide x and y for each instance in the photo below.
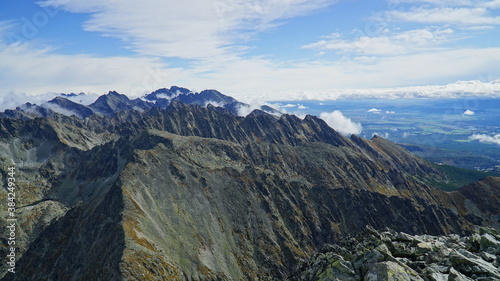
(391, 255)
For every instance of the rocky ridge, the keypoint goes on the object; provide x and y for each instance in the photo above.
(390, 255)
(190, 192)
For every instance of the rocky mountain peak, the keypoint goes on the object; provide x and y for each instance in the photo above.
(114, 102)
(67, 107)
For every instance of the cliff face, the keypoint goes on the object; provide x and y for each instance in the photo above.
(195, 193)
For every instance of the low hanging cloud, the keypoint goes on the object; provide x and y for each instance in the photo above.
(469, 112)
(484, 138)
(375, 110)
(340, 123)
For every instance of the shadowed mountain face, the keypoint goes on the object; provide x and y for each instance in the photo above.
(114, 102)
(197, 193)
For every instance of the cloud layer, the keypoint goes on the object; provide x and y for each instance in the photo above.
(214, 39)
(495, 139)
(340, 123)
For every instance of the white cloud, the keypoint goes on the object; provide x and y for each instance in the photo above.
(448, 3)
(26, 69)
(300, 106)
(84, 99)
(389, 43)
(58, 109)
(214, 103)
(495, 4)
(384, 135)
(251, 105)
(390, 112)
(374, 110)
(190, 29)
(495, 139)
(469, 112)
(215, 46)
(340, 123)
(446, 15)
(244, 110)
(11, 100)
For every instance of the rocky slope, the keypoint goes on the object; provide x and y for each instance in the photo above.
(389, 255)
(197, 193)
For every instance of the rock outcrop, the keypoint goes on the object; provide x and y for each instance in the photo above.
(389, 255)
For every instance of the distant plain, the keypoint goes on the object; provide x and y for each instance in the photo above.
(439, 130)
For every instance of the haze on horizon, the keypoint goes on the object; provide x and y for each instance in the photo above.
(276, 49)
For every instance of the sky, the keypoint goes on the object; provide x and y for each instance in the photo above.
(252, 49)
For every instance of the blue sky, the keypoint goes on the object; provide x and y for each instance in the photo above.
(271, 49)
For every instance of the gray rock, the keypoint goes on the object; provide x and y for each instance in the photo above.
(488, 257)
(401, 236)
(367, 260)
(457, 276)
(438, 277)
(338, 270)
(391, 271)
(487, 241)
(470, 263)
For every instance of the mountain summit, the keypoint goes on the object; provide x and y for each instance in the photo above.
(192, 191)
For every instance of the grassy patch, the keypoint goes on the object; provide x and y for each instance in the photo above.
(458, 177)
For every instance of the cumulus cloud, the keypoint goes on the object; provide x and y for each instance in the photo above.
(340, 123)
(495, 139)
(469, 112)
(374, 110)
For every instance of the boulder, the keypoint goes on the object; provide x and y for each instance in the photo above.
(457, 276)
(388, 271)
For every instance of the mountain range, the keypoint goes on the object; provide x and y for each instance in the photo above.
(179, 186)
(113, 103)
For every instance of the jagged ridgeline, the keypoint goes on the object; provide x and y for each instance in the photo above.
(180, 186)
